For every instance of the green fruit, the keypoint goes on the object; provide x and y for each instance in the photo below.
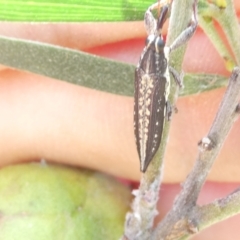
(52, 202)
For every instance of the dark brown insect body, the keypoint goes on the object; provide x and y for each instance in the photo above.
(152, 84)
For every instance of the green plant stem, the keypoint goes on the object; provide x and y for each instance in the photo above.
(140, 221)
(230, 25)
(228, 21)
(211, 32)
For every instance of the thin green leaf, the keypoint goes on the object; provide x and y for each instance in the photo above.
(225, 14)
(69, 65)
(72, 10)
(197, 83)
(85, 69)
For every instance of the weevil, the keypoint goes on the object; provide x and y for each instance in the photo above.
(152, 83)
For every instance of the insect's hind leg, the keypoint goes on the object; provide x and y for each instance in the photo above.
(177, 77)
(179, 81)
(170, 109)
(188, 32)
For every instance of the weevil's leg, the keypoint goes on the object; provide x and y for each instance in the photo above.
(188, 32)
(150, 22)
(175, 109)
(169, 111)
(177, 77)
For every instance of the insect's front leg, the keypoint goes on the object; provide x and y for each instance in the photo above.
(179, 41)
(187, 33)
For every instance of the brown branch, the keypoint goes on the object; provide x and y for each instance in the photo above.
(179, 219)
(218, 210)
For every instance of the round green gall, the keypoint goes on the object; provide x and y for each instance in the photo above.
(41, 201)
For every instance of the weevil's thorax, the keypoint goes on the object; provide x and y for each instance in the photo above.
(153, 59)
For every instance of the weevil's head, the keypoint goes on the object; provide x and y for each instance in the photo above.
(156, 43)
(155, 40)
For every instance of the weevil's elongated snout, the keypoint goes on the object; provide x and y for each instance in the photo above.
(163, 17)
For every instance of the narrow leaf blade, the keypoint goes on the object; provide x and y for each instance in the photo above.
(72, 10)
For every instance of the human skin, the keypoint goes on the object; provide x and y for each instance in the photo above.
(60, 122)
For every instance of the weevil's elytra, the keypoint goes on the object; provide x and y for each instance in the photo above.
(152, 84)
